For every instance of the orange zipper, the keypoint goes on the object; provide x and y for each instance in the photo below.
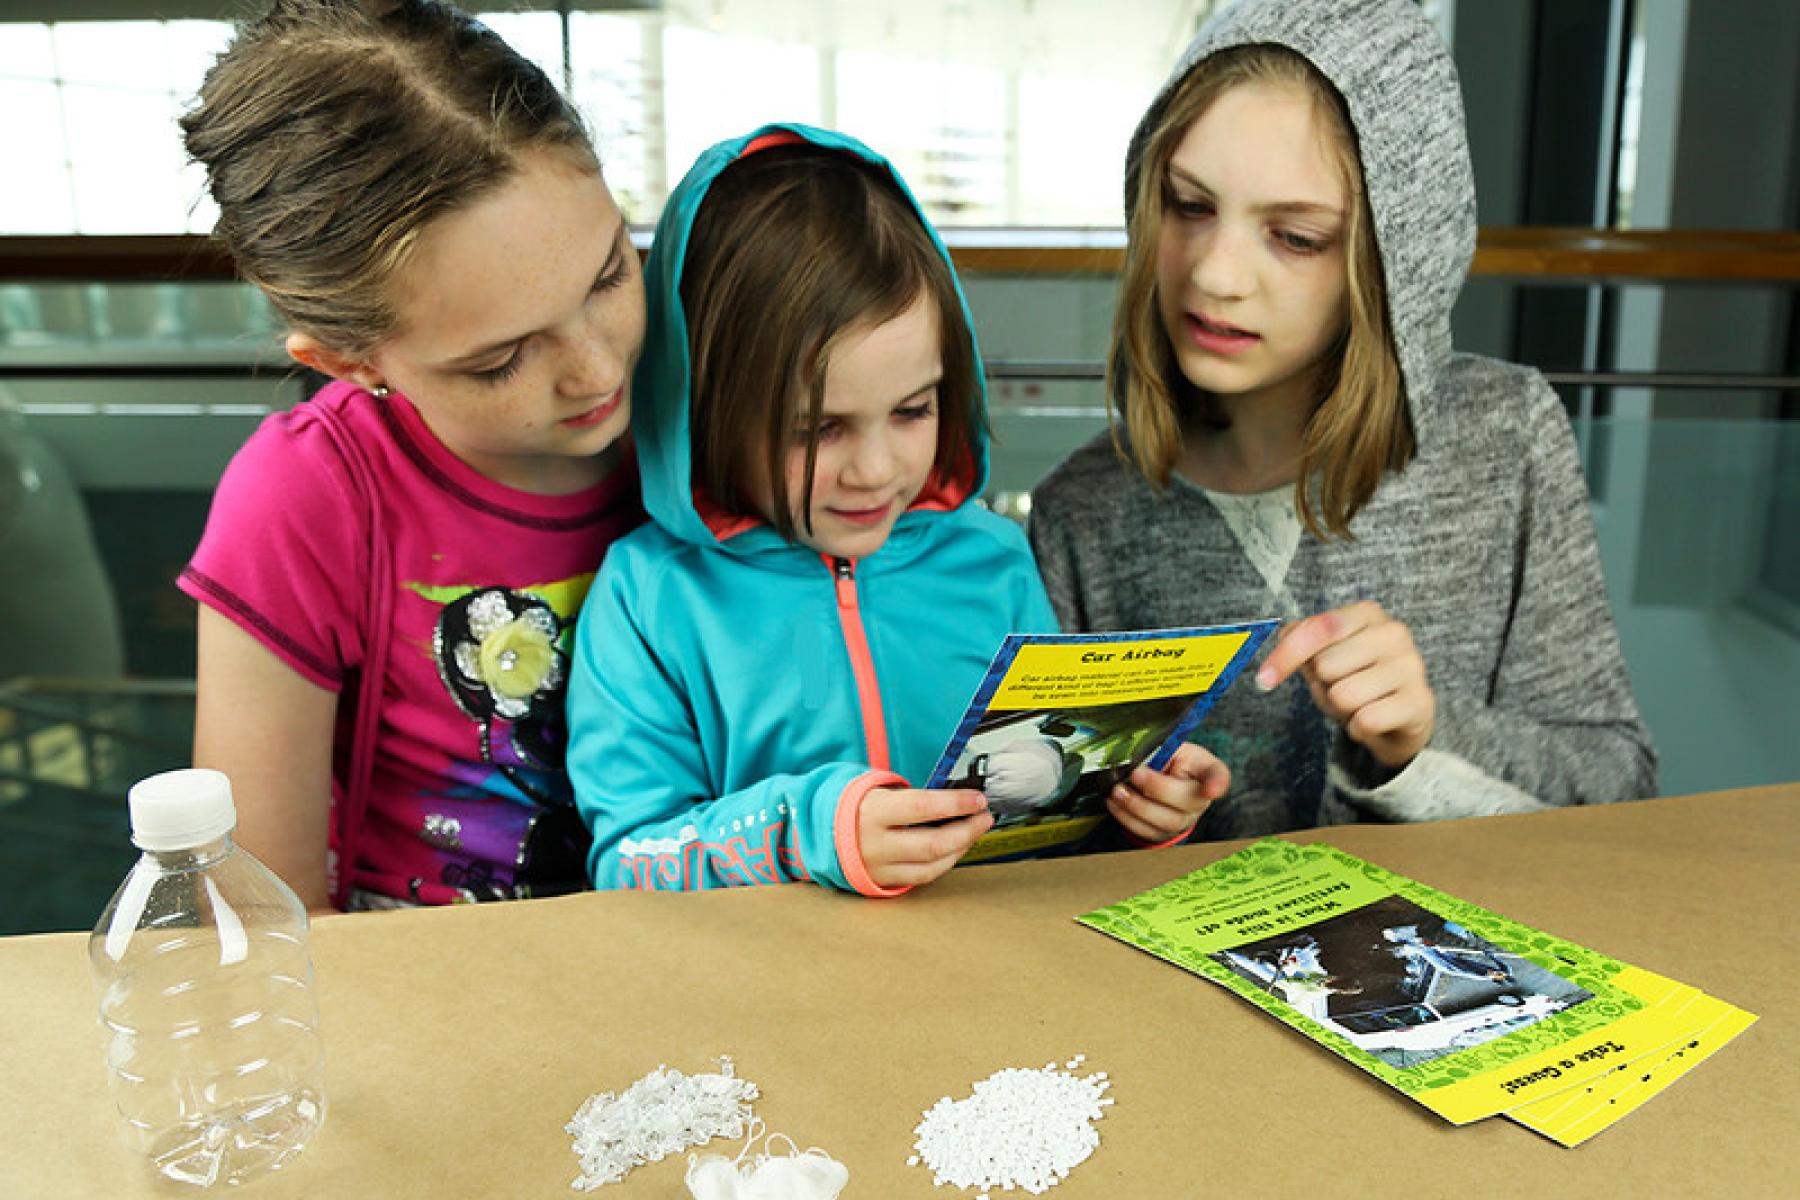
(862, 664)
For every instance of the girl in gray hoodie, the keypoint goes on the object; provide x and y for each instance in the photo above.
(1294, 436)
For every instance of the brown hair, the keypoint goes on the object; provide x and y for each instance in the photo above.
(1361, 427)
(793, 246)
(333, 132)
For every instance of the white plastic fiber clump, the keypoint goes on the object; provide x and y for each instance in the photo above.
(660, 1114)
(1018, 1128)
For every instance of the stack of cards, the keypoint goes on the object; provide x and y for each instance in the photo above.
(1465, 1011)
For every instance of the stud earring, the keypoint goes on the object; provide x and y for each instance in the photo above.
(379, 391)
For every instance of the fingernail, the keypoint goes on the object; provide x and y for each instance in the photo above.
(981, 802)
(1265, 678)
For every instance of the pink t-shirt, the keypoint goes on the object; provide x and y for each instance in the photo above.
(469, 798)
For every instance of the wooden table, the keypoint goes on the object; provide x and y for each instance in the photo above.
(461, 1041)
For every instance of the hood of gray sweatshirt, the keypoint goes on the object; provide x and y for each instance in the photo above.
(1390, 66)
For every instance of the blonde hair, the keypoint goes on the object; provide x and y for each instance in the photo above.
(1361, 428)
(334, 131)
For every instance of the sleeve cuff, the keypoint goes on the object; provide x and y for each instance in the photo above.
(1139, 843)
(849, 852)
(1436, 785)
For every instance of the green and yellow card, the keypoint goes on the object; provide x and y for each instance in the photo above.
(1466, 1011)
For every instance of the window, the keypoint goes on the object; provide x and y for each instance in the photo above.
(999, 112)
(98, 150)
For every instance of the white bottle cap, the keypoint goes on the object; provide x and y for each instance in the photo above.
(179, 810)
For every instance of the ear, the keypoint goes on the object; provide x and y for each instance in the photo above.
(308, 351)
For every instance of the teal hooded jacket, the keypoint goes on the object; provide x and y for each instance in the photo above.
(734, 695)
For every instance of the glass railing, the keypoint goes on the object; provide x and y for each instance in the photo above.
(69, 749)
(1699, 538)
(142, 391)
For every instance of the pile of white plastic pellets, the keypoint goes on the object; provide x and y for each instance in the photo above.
(661, 1113)
(1019, 1128)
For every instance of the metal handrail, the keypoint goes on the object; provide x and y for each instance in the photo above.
(1056, 370)
(1085, 370)
(1009, 370)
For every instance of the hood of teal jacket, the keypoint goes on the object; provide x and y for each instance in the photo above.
(661, 386)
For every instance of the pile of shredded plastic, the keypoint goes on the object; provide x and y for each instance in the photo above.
(1019, 1128)
(660, 1114)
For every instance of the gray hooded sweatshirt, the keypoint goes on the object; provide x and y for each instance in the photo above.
(1483, 545)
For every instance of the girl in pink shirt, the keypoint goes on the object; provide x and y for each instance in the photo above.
(390, 574)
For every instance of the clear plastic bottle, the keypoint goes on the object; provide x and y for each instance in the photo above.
(212, 1029)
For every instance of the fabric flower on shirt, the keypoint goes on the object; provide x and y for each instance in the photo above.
(516, 660)
(497, 652)
(507, 653)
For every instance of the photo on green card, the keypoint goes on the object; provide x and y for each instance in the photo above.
(1401, 983)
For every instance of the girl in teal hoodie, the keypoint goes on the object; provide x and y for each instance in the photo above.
(760, 671)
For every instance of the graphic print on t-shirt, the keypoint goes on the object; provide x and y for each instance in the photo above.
(502, 653)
